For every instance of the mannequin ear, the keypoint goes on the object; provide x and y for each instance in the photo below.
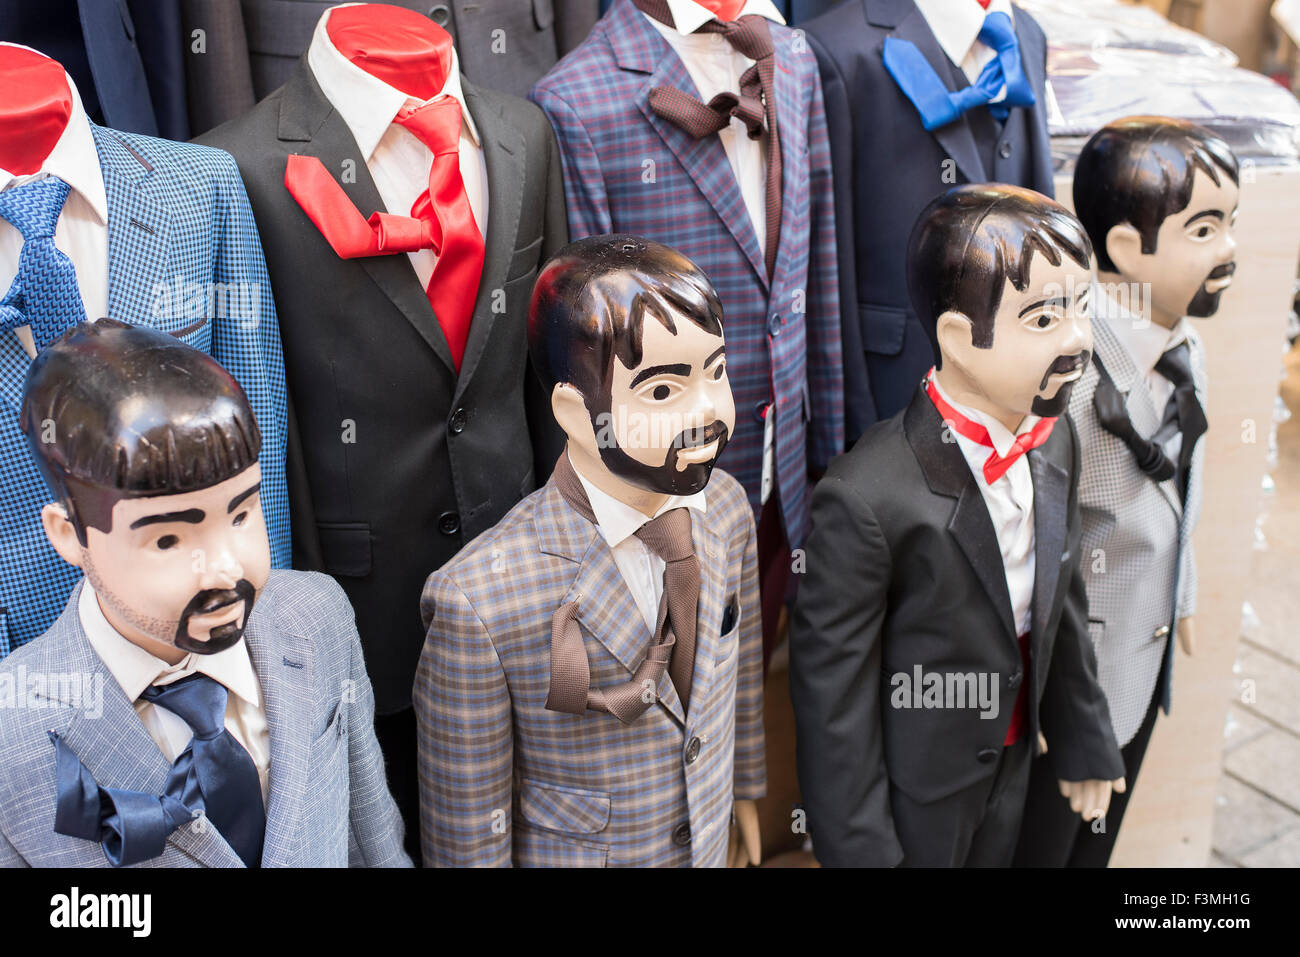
(953, 331)
(570, 411)
(61, 533)
(1124, 247)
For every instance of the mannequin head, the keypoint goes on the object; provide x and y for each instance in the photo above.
(150, 449)
(1000, 276)
(35, 104)
(627, 334)
(723, 9)
(405, 49)
(1158, 197)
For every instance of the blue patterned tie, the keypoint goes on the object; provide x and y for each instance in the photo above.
(214, 775)
(44, 293)
(936, 104)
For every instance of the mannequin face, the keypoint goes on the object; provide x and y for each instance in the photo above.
(664, 423)
(1195, 255)
(176, 572)
(1042, 340)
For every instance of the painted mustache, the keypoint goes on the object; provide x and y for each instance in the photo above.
(209, 601)
(1064, 365)
(693, 437)
(1221, 272)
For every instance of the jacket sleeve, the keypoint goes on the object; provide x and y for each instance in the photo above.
(375, 823)
(1073, 712)
(825, 370)
(750, 760)
(466, 744)
(9, 856)
(835, 662)
(248, 345)
(584, 184)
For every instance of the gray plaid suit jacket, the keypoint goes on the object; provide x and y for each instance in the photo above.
(504, 781)
(328, 804)
(1138, 563)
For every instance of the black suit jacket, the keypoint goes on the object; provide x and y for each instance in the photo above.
(904, 569)
(394, 461)
(887, 168)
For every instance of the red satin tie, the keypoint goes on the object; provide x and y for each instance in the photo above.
(995, 466)
(444, 206)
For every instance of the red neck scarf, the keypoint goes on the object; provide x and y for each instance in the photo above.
(995, 466)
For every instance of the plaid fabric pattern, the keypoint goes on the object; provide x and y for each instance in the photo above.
(505, 782)
(185, 257)
(628, 170)
(329, 804)
(1138, 563)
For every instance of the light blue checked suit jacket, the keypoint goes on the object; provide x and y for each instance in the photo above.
(179, 224)
(626, 170)
(328, 804)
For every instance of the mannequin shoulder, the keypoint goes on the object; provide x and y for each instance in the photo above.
(303, 602)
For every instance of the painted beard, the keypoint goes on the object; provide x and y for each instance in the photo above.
(1052, 406)
(666, 478)
(213, 600)
(1205, 303)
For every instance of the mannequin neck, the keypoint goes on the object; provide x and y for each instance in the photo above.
(723, 9)
(960, 388)
(35, 105)
(594, 471)
(1143, 303)
(407, 51)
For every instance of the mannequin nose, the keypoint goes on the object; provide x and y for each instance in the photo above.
(225, 569)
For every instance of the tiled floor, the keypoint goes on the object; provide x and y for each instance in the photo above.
(1257, 821)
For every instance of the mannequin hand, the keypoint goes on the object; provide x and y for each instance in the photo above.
(1042, 743)
(1187, 636)
(1090, 799)
(744, 847)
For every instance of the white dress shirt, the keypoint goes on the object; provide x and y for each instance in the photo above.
(397, 159)
(82, 230)
(716, 67)
(136, 669)
(956, 25)
(1145, 342)
(1010, 501)
(642, 569)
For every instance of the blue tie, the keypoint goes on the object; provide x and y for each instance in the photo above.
(936, 104)
(44, 293)
(214, 775)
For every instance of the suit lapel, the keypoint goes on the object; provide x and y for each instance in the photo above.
(639, 47)
(957, 139)
(708, 623)
(505, 153)
(1051, 517)
(139, 229)
(284, 670)
(948, 474)
(307, 118)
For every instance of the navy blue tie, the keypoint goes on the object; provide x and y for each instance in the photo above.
(44, 293)
(939, 106)
(214, 775)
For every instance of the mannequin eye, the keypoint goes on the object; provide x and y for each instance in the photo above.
(1043, 321)
(719, 370)
(660, 391)
(1202, 232)
(239, 519)
(167, 542)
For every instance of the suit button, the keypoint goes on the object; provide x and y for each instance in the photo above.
(987, 755)
(449, 523)
(440, 13)
(1014, 680)
(1161, 632)
(682, 835)
(459, 418)
(1005, 149)
(692, 750)
(775, 325)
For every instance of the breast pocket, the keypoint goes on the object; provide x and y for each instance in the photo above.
(329, 792)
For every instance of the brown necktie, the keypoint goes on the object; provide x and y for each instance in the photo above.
(673, 645)
(754, 103)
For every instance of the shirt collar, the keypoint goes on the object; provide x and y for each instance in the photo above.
(689, 16)
(1001, 438)
(136, 669)
(617, 521)
(1144, 341)
(74, 160)
(957, 25)
(366, 103)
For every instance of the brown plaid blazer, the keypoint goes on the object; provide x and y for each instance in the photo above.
(505, 782)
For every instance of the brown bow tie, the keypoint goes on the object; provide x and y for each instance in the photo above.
(673, 645)
(754, 104)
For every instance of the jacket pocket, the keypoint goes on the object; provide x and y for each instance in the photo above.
(571, 810)
(524, 260)
(345, 547)
(882, 329)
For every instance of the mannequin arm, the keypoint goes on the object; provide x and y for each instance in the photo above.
(1090, 799)
(1187, 636)
(584, 183)
(745, 847)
